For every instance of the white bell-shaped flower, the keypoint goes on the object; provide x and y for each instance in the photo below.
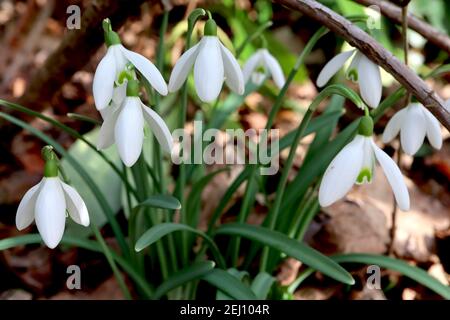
(355, 164)
(213, 63)
(361, 70)
(113, 63)
(262, 59)
(414, 123)
(124, 125)
(47, 203)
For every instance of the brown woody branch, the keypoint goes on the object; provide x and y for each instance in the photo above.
(374, 51)
(394, 13)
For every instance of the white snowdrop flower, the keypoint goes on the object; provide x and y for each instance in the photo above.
(47, 203)
(124, 125)
(113, 63)
(361, 70)
(213, 63)
(414, 123)
(355, 164)
(262, 59)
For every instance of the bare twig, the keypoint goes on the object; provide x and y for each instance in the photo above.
(394, 13)
(375, 52)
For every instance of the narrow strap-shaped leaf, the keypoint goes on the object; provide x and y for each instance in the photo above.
(262, 284)
(160, 230)
(162, 201)
(85, 244)
(291, 247)
(183, 276)
(229, 284)
(412, 272)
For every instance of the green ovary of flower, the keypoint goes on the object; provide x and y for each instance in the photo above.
(365, 176)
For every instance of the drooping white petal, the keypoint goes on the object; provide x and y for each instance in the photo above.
(433, 129)
(147, 69)
(274, 68)
(75, 205)
(413, 129)
(119, 95)
(182, 67)
(369, 79)
(233, 73)
(50, 212)
(208, 69)
(393, 126)
(330, 69)
(106, 135)
(252, 64)
(25, 211)
(159, 128)
(103, 83)
(394, 177)
(342, 172)
(129, 131)
(121, 61)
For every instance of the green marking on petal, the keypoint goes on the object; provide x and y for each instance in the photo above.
(365, 176)
(352, 75)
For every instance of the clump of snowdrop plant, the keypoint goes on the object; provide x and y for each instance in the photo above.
(114, 63)
(124, 125)
(262, 65)
(414, 123)
(47, 204)
(213, 63)
(361, 70)
(355, 164)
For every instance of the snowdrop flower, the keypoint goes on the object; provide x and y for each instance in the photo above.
(414, 123)
(114, 62)
(124, 125)
(355, 164)
(47, 203)
(361, 70)
(213, 63)
(262, 59)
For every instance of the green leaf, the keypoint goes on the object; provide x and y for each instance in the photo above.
(242, 276)
(162, 201)
(229, 284)
(85, 244)
(291, 247)
(195, 196)
(160, 230)
(262, 284)
(193, 272)
(412, 272)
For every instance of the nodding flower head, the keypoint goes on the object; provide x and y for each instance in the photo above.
(361, 70)
(124, 125)
(262, 59)
(47, 203)
(413, 123)
(213, 63)
(355, 164)
(114, 62)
